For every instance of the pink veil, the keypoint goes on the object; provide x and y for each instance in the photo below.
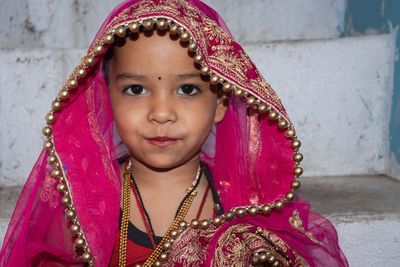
(252, 155)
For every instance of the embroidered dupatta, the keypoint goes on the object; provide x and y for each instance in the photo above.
(67, 214)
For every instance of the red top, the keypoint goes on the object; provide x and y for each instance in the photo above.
(140, 256)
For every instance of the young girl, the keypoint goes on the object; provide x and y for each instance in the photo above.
(167, 147)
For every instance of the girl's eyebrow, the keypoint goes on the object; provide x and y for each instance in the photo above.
(131, 76)
(187, 76)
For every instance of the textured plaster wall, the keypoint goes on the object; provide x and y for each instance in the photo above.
(375, 16)
(336, 93)
(73, 23)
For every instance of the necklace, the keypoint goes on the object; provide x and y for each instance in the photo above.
(164, 244)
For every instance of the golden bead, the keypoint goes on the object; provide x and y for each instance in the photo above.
(70, 214)
(204, 224)
(198, 58)
(262, 108)
(183, 225)
(279, 205)
(86, 257)
(298, 171)
(98, 49)
(47, 145)
(148, 25)
(174, 234)
(271, 259)
(253, 211)
(263, 257)
(72, 83)
(192, 47)
(276, 264)
(250, 101)
(282, 124)
(157, 264)
(290, 196)
(296, 144)
(65, 200)
(50, 118)
(75, 229)
(195, 224)
(64, 94)
(227, 87)
(81, 72)
(205, 70)
(56, 105)
(162, 24)
(290, 133)
(80, 242)
(185, 36)
(89, 60)
(229, 215)
(56, 173)
(240, 212)
(47, 131)
(167, 245)
(272, 115)
(52, 159)
(174, 29)
(134, 27)
(266, 209)
(238, 92)
(108, 38)
(296, 184)
(254, 260)
(298, 157)
(163, 257)
(121, 31)
(217, 221)
(214, 79)
(61, 187)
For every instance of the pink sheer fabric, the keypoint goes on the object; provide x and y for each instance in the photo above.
(250, 158)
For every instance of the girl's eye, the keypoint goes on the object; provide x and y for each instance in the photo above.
(188, 89)
(135, 89)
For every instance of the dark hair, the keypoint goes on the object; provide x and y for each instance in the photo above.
(106, 68)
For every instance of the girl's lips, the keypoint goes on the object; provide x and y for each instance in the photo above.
(162, 140)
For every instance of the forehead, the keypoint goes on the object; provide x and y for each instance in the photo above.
(158, 54)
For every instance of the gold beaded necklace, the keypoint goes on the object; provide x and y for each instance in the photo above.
(164, 244)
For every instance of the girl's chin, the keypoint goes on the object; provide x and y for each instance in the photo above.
(161, 161)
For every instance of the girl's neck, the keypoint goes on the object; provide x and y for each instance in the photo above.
(148, 176)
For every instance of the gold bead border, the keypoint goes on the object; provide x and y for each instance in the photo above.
(82, 250)
(89, 60)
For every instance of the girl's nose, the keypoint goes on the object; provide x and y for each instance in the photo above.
(162, 109)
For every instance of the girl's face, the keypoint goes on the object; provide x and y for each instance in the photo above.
(163, 108)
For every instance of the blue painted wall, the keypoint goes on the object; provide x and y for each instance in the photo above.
(380, 16)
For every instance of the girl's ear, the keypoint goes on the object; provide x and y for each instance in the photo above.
(222, 107)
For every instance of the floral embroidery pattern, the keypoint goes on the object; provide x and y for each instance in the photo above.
(296, 222)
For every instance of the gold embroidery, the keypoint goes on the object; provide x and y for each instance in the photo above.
(228, 58)
(188, 250)
(48, 192)
(296, 222)
(299, 260)
(231, 250)
(235, 247)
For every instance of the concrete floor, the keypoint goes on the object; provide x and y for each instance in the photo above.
(352, 195)
(364, 209)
